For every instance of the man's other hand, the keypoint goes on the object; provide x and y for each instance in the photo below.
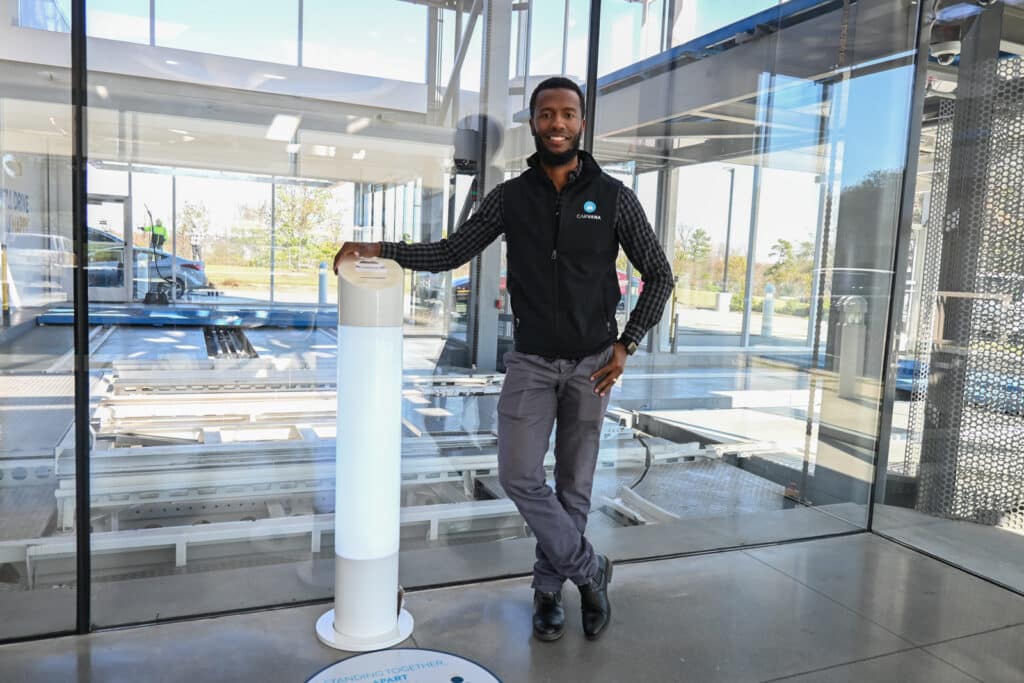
(362, 249)
(609, 374)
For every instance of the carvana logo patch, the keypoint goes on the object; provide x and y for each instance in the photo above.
(589, 207)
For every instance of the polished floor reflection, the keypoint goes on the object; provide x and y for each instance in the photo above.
(857, 608)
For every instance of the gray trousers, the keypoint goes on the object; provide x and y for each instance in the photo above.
(536, 393)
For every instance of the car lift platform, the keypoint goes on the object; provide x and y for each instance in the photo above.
(191, 315)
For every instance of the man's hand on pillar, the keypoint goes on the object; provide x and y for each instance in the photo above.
(362, 249)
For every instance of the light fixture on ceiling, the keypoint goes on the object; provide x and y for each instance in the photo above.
(172, 62)
(360, 155)
(179, 131)
(283, 127)
(274, 77)
(324, 150)
(357, 125)
(102, 91)
(12, 167)
(294, 147)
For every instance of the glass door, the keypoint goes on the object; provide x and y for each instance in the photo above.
(110, 260)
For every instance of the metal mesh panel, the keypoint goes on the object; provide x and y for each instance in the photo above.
(929, 286)
(974, 470)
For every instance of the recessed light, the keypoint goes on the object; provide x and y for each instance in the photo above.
(282, 127)
(274, 77)
(324, 150)
(172, 62)
(102, 91)
(360, 155)
(178, 131)
(187, 138)
(357, 125)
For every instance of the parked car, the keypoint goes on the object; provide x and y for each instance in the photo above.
(906, 378)
(995, 391)
(100, 237)
(154, 268)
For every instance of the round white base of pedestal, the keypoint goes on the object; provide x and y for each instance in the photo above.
(340, 641)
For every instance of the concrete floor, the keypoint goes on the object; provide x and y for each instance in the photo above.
(993, 552)
(856, 608)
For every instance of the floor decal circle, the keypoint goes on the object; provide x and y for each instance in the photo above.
(405, 665)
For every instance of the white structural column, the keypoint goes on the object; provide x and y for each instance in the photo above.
(367, 612)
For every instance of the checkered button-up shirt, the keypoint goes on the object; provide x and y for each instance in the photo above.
(632, 229)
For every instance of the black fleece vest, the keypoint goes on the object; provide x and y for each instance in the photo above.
(561, 251)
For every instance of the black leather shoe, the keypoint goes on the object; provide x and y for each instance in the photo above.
(597, 611)
(548, 615)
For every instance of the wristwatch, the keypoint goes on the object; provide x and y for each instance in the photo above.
(629, 344)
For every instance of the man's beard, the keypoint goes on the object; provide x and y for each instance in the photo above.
(549, 158)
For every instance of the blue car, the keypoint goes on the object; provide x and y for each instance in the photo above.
(906, 372)
(991, 391)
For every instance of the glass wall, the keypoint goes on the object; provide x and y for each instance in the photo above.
(228, 161)
(226, 166)
(953, 479)
(37, 592)
(776, 183)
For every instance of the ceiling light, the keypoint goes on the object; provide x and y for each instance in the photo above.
(274, 77)
(282, 127)
(171, 62)
(187, 138)
(11, 165)
(178, 131)
(102, 91)
(294, 147)
(360, 155)
(357, 125)
(324, 150)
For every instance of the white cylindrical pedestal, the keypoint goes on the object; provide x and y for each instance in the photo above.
(722, 302)
(367, 613)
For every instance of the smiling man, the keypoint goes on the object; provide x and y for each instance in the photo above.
(563, 220)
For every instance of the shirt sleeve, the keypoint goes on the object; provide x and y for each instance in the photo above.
(638, 240)
(479, 230)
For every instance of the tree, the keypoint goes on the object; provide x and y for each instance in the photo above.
(195, 225)
(251, 228)
(693, 261)
(791, 267)
(697, 245)
(302, 213)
